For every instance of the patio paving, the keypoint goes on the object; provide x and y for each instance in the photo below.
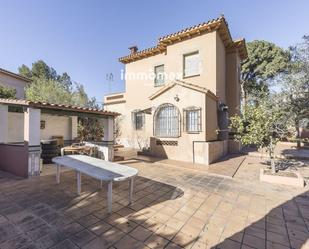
(226, 167)
(173, 208)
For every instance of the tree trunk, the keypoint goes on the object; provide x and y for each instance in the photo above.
(272, 158)
(243, 96)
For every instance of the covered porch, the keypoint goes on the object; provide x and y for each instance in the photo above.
(24, 124)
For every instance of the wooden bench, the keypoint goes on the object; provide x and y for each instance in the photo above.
(102, 170)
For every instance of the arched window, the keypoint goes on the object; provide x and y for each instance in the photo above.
(167, 121)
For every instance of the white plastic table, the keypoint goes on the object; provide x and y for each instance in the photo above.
(99, 169)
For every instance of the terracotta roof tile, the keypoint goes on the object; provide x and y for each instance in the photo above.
(219, 24)
(53, 106)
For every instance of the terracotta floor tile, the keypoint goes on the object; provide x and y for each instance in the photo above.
(175, 223)
(156, 242)
(99, 227)
(127, 226)
(204, 211)
(172, 245)
(184, 240)
(190, 230)
(140, 233)
(167, 232)
(127, 242)
(229, 244)
(254, 241)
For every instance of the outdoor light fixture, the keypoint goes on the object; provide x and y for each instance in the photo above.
(176, 98)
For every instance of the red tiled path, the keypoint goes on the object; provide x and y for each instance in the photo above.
(174, 207)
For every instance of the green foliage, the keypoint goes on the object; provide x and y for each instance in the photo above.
(48, 90)
(265, 60)
(48, 86)
(262, 125)
(89, 129)
(295, 85)
(25, 71)
(7, 92)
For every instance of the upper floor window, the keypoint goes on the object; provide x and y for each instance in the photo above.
(167, 121)
(159, 75)
(191, 64)
(192, 120)
(138, 120)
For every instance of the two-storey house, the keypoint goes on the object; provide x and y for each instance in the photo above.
(180, 93)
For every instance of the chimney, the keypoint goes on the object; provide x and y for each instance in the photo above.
(133, 49)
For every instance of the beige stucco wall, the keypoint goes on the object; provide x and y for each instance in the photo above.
(215, 72)
(13, 82)
(138, 91)
(220, 70)
(211, 119)
(183, 151)
(232, 83)
(173, 65)
(55, 125)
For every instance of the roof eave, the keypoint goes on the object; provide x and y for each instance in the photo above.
(59, 107)
(14, 75)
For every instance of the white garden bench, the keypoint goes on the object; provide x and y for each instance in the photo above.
(102, 170)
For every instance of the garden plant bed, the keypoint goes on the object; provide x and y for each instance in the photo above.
(280, 173)
(282, 177)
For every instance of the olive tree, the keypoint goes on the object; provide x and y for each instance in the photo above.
(262, 125)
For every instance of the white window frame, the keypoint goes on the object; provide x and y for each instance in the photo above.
(167, 124)
(138, 125)
(185, 67)
(159, 79)
(192, 124)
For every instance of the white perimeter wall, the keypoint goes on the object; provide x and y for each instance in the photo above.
(16, 127)
(54, 126)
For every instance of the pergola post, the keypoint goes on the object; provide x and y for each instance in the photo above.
(4, 123)
(74, 124)
(108, 140)
(32, 118)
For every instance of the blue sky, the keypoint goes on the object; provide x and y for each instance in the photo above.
(86, 38)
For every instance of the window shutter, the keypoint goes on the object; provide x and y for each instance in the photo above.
(143, 117)
(133, 118)
(159, 75)
(191, 64)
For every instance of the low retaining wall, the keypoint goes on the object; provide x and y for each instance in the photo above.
(14, 159)
(105, 149)
(209, 152)
(215, 150)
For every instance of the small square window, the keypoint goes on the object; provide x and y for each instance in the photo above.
(138, 120)
(192, 120)
(191, 64)
(42, 124)
(159, 75)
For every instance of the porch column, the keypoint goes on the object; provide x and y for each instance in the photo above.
(32, 132)
(108, 140)
(4, 126)
(74, 124)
